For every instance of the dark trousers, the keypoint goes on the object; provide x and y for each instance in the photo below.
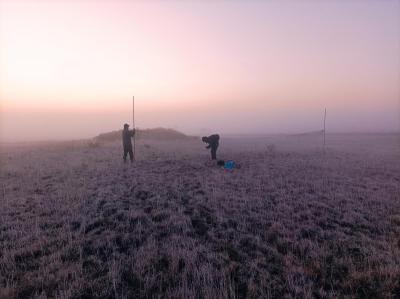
(128, 150)
(214, 153)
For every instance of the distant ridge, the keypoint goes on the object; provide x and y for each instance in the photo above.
(154, 134)
(319, 132)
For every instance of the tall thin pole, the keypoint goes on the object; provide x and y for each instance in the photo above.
(324, 127)
(133, 125)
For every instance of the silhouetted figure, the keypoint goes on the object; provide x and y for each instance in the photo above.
(127, 142)
(213, 142)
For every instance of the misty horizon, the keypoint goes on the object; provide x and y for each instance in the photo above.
(199, 133)
(59, 126)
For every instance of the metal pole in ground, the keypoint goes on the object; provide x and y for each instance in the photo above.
(324, 128)
(133, 128)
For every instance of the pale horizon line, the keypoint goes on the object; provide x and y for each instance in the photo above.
(229, 135)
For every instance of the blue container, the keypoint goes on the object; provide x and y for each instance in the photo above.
(230, 164)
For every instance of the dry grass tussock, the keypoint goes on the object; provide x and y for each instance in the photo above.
(77, 223)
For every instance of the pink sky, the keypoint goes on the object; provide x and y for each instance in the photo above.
(68, 69)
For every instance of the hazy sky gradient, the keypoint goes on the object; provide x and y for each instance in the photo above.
(68, 69)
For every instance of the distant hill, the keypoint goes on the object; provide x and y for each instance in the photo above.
(312, 133)
(151, 134)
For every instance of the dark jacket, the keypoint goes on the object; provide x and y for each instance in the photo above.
(212, 140)
(127, 138)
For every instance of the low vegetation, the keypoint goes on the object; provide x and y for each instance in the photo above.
(77, 223)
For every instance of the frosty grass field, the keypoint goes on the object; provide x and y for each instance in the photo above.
(292, 222)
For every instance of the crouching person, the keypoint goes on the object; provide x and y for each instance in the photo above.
(213, 143)
(127, 142)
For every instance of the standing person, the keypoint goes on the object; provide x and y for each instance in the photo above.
(213, 142)
(127, 142)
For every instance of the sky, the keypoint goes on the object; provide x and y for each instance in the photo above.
(69, 69)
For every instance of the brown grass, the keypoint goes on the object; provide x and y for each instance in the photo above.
(77, 223)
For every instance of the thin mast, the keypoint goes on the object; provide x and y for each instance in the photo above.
(324, 126)
(133, 125)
